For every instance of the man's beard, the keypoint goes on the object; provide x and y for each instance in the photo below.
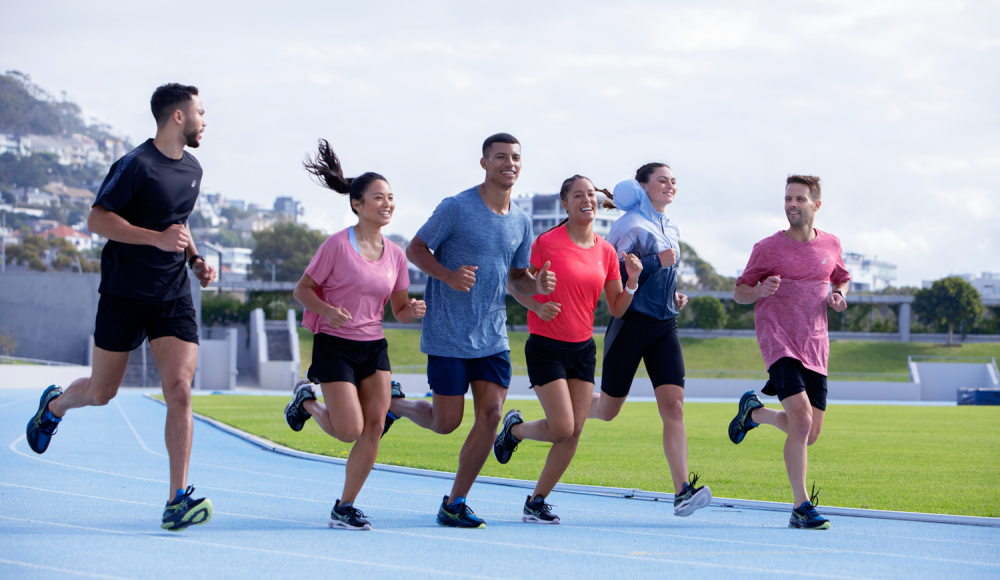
(191, 136)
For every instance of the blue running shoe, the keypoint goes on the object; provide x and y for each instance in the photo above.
(295, 414)
(805, 517)
(348, 517)
(184, 511)
(692, 498)
(390, 418)
(397, 390)
(740, 424)
(44, 424)
(505, 444)
(461, 517)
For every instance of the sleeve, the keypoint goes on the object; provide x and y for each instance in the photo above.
(440, 225)
(321, 266)
(615, 271)
(402, 273)
(120, 185)
(756, 270)
(522, 256)
(840, 273)
(650, 265)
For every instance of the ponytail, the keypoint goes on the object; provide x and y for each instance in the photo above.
(326, 168)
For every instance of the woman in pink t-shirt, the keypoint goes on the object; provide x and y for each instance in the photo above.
(344, 290)
(560, 351)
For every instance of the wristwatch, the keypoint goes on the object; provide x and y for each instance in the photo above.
(193, 258)
(839, 292)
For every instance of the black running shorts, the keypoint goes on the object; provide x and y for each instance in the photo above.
(123, 323)
(789, 377)
(637, 337)
(550, 360)
(337, 359)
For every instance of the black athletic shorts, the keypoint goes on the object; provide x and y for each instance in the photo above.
(123, 323)
(789, 377)
(337, 359)
(636, 337)
(550, 360)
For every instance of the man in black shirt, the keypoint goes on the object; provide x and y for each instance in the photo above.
(142, 208)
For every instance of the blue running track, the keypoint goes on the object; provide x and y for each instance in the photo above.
(91, 507)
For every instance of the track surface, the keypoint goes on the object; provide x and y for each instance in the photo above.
(91, 505)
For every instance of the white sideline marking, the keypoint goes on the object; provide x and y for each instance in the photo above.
(134, 432)
(16, 402)
(262, 550)
(63, 570)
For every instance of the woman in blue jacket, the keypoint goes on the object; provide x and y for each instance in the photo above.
(648, 330)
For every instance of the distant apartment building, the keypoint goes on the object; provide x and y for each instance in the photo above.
(869, 274)
(75, 151)
(545, 211)
(237, 263)
(288, 207)
(988, 283)
(254, 223)
(18, 145)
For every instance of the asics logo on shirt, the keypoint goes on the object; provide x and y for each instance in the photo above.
(824, 261)
(193, 182)
(513, 242)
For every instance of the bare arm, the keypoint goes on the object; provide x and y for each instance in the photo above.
(747, 294)
(618, 299)
(202, 269)
(176, 238)
(461, 279)
(525, 282)
(406, 309)
(306, 295)
(839, 301)
(545, 310)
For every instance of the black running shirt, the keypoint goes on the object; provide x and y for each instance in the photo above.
(153, 192)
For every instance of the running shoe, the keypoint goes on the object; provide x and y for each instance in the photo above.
(397, 393)
(691, 498)
(461, 517)
(348, 517)
(44, 424)
(505, 444)
(742, 423)
(538, 512)
(805, 517)
(295, 414)
(184, 511)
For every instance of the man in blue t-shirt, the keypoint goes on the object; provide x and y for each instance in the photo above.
(143, 208)
(481, 242)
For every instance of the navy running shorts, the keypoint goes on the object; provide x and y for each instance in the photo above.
(789, 377)
(637, 337)
(341, 360)
(551, 360)
(123, 323)
(451, 376)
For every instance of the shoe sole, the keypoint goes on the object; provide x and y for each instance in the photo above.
(449, 524)
(295, 394)
(537, 520)
(701, 499)
(196, 517)
(495, 443)
(824, 526)
(736, 432)
(339, 525)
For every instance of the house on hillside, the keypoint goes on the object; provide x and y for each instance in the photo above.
(71, 195)
(80, 240)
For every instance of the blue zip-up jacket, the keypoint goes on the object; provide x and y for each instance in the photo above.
(645, 232)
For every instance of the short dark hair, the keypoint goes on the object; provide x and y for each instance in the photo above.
(168, 98)
(498, 138)
(810, 181)
(643, 174)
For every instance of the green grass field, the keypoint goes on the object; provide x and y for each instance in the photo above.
(729, 354)
(917, 459)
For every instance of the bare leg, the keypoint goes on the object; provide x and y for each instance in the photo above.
(176, 361)
(573, 402)
(670, 403)
(604, 406)
(488, 398)
(765, 416)
(442, 416)
(97, 389)
(799, 414)
(374, 404)
(557, 426)
(340, 414)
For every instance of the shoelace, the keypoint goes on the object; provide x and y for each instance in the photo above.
(466, 510)
(814, 496)
(693, 477)
(47, 427)
(353, 512)
(544, 508)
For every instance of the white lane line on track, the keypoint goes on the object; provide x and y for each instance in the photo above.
(136, 433)
(623, 556)
(17, 401)
(904, 556)
(61, 570)
(799, 546)
(261, 550)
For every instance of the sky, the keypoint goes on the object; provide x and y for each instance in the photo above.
(892, 103)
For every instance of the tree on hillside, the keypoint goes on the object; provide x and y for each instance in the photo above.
(292, 244)
(708, 278)
(709, 312)
(949, 301)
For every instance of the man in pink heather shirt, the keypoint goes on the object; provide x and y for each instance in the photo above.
(788, 279)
